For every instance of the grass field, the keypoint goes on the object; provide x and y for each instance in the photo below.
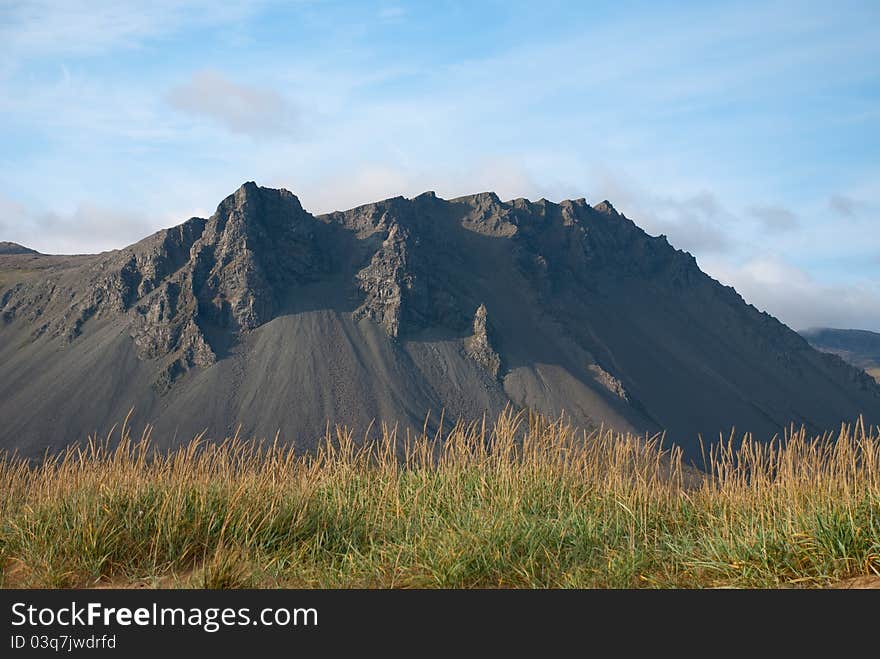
(522, 502)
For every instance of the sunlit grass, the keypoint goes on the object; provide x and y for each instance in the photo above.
(521, 502)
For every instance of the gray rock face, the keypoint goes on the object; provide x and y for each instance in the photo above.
(385, 282)
(407, 285)
(478, 346)
(608, 381)
(189, 289)
(270, 317)
(487, 215)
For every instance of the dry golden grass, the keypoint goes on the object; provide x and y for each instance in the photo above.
(522, 502)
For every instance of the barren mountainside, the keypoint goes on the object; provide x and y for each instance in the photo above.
(858, 347)
(14, 248)
(268, 317)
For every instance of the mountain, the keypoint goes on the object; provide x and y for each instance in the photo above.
(267, 316)
(14, 248)
(858, 347)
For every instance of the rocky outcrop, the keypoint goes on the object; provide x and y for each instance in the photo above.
(187, 288)
(105, 286)
(485, 214)
(257, 246)
(407, 283)
(385, 282)
(611, 383)
(259, 243)
(479, 347)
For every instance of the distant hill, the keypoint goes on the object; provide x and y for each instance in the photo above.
(270, 317)
(859, 347)
(14, 248)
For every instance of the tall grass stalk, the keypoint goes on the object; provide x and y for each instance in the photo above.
(521, 502)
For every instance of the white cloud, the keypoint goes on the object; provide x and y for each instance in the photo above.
(365, 183)
(697, 221)
(693, 221)
(795, 297)
(86, 27)
(346, 190)
(240, 108)
(774, 219)
(89, 228)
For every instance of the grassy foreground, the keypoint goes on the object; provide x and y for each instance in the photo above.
(524, 502)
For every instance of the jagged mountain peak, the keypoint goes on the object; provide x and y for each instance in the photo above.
(250, 191)
(404, 305)
(606, 208)
(487, 198)
(235, 270)
(272, 209)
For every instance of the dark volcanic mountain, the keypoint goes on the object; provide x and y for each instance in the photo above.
(858, 347)
(14, 248)
(266, 316)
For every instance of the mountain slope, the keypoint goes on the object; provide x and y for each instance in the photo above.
(266, 316)
(14, 248)
(858, 347)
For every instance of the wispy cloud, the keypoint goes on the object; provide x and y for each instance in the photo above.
(714, 121)
(845, 206)
(88, 228)
(11, 214)
(798, 299)
(774, 219)
(694, 221)
(392, 13)
(86, 27)
(364, 183)
(238, 107)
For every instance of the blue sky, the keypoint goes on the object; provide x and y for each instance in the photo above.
(747, 132)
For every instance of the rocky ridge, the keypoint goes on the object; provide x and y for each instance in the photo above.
(558, 306)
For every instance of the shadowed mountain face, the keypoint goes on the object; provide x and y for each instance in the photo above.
(858, 347)
(266, 316)
(14, 248)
